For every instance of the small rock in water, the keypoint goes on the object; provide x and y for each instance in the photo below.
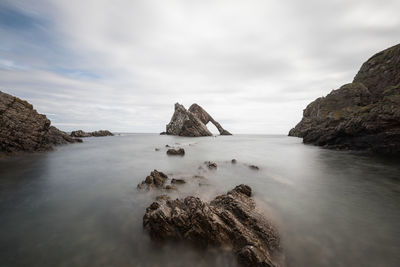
(170, 187)
(211, 165)
(233, 161)
(155, 179)
(178, 181)
(254, 167)
(176, 152)
(157, 149)
(163, 197)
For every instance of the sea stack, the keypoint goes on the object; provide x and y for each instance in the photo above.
(362, 115)
(192, 122)
(22, 128)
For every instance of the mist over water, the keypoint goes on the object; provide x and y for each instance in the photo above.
(79, 206)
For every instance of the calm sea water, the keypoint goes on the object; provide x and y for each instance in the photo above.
(78, 205)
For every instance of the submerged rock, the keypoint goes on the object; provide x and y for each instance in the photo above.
(80, 133)
(176, 152)
(254, 167)
(22, 128)
(155, 179)
(362, 115)
(228, 221)
(178, 181)
(192, 122)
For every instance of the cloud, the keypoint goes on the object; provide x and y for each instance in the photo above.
(121, 65)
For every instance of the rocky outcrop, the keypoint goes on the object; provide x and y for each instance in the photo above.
(192, 122)
(229, 221)
(205, 118)
(155, 179)
(362, 115)
(22, 128)
(80, 133)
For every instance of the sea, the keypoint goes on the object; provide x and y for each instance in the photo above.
(79, 205)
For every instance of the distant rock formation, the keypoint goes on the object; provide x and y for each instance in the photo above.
(205, 118)
(362, 115)
(80, 133)
(23, 129)
(229, 221)
(192, 122)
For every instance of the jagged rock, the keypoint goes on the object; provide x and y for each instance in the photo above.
(155, 179)
(23, 129)
(362, 115)
(80, 133)
(176, 152)
(205, 118)
(192, 122)
(229, 221)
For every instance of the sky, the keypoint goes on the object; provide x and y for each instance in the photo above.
(121, 65)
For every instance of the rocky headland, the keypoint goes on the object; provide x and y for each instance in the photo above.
(191, 122)
(23, 129)
(81, 134)
(230, 221)
(362, 115)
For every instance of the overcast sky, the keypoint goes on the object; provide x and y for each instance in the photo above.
(121, 65)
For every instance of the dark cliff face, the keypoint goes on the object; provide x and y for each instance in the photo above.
(23, 129)
(192, 122)
(362, 115)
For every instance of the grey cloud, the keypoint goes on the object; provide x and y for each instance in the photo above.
(122, 65)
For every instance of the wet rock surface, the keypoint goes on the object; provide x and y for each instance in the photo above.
(362, 115)
(176, 152)
(230, 221)
(100, 133)
(192, 122)
(23, 129)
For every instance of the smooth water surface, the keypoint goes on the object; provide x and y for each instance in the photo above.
(79, 206)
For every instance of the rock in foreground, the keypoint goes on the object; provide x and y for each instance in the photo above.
(192, 122)
(229, 221)
(22, 128)
(363, 115)
(81, 134)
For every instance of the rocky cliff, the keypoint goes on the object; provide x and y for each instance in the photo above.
(192, 122)
(362, 115)
(23, 129)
